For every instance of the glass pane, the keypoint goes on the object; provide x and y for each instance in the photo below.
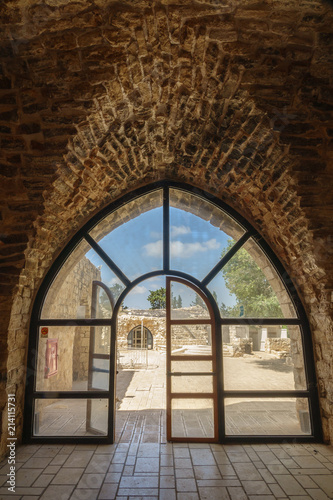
(191, 383)
(248, 286)
(70, 417)
(198, 232)
(263, 358)
(72, 294)
(100, 374)
(191, 340)
(267, 416)
(66, 367)
(192, 418)
(132, 235)
(192, 366)
(186, 303)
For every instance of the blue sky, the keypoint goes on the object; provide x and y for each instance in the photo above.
(136, 247)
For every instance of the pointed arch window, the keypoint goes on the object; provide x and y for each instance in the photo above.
(173, 230)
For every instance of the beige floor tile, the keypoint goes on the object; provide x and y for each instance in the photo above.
(268, 457)
(227, 470)
(138, 492)
(167, 471)
(26, 477)
(256, 487)
(202, 457)
(116, 468)
(183, 463)
(112, 477)
(119, 458)
(84, 494)
(108, 492)
(98, 464)
(183, 484)
(43, 480)
(267, 476)
(277, 491)
(139, 482)
(167, 482)
(187, 496)
(306, 481)
(218, 482)
(166, 461)
(68, 476)
(325, 483)
(277, 469)
(168, 494)
(261, 497)
(206, 472)
(213, 493)
(59, 459)
(238, 456)
(317, 494)
(289, 485)
(79, 458)
(308, 462)
(91, 481)
(184, 473)
(57, 492)
(146, 465)
(237, 493)
(181, 453)
(246, 471)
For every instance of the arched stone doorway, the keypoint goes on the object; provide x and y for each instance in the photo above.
(193, 237)
(140, 338)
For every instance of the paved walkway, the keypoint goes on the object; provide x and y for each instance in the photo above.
(139, 470)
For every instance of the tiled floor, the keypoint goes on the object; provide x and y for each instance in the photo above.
(138, 470)
(141, 465)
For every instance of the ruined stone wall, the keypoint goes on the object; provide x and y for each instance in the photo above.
(70, 290)
(154, 323)
(100, 98)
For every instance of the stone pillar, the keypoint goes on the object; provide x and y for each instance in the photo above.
(263, 339)
(284, 333)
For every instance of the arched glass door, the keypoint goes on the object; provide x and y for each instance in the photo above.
(245, 342)
(191, 366)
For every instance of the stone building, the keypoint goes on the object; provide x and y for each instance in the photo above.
(101, 98)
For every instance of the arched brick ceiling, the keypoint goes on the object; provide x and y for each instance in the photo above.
(99, 97)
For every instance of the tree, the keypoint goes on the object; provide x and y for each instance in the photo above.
(244, 278)
(157, 298)
(179, 302)
(116, 290)
(174, 302)
(198, 301)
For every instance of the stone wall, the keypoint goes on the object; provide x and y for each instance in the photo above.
(71, 290)
(100, 98)
(277, 345)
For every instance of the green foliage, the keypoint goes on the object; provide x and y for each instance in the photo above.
(244, 278)
(179, 302)
(174, 302)
(198, 301)
(157, 298)
(116, 290)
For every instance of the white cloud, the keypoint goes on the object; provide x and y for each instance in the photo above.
(139, 290)
(180, 249)
(178, 230)
(154, 249)
(186, 250)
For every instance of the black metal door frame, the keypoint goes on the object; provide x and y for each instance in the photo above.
(36, 322)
